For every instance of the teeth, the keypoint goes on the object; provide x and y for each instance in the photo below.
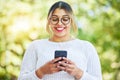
(60, 28)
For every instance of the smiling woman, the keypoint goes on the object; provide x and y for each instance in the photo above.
(82, 61)
(61, 17)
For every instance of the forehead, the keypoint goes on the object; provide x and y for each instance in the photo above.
(59, 12)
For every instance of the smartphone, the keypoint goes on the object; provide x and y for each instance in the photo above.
(60, 53)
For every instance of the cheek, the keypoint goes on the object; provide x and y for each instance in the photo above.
(52, 28)
(68, 27)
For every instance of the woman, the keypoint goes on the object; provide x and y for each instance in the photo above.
(82, 61)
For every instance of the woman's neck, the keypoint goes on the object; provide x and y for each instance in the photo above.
(60, 39)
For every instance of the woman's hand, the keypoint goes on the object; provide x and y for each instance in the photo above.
(49, 68)
(71, 68)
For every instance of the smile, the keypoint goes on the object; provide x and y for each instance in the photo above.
(60, 29)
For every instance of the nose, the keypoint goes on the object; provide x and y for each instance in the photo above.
(59, 22)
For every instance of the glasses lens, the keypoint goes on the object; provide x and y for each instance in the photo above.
(65, 20)
(54, 20)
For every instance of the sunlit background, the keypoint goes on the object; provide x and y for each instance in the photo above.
(22, 21)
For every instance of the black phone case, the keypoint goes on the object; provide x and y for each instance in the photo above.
(60, 53)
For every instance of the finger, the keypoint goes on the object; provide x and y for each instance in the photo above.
(70, 66)
(68, 61)
(61, 67)
(54, 70)
(56, 59)
(62, 63)
(53, 66)
(68, 70)
(66, 65)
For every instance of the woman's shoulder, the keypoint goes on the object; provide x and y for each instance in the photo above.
(38, 41)
(85, 42)
(87, 47)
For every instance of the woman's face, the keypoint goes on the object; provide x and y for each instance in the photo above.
(60, 23)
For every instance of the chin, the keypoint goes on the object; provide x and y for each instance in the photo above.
(60, 35)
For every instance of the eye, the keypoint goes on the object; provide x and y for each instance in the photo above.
(54, 19)
(65, 19)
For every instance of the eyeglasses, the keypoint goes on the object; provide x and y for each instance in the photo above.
(64, 20)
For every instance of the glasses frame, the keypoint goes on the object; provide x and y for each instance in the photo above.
(60, 19)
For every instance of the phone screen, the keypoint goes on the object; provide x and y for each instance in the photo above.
(60, 53)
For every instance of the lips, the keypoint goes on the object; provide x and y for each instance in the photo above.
(59, 29)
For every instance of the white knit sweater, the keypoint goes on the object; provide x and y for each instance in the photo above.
(82, 53)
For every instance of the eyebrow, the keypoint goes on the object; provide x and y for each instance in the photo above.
(62, 16)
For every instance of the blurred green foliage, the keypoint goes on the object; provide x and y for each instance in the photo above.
(22, 21)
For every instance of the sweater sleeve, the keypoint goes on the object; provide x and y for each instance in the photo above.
(29, 64)
(93, 71)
